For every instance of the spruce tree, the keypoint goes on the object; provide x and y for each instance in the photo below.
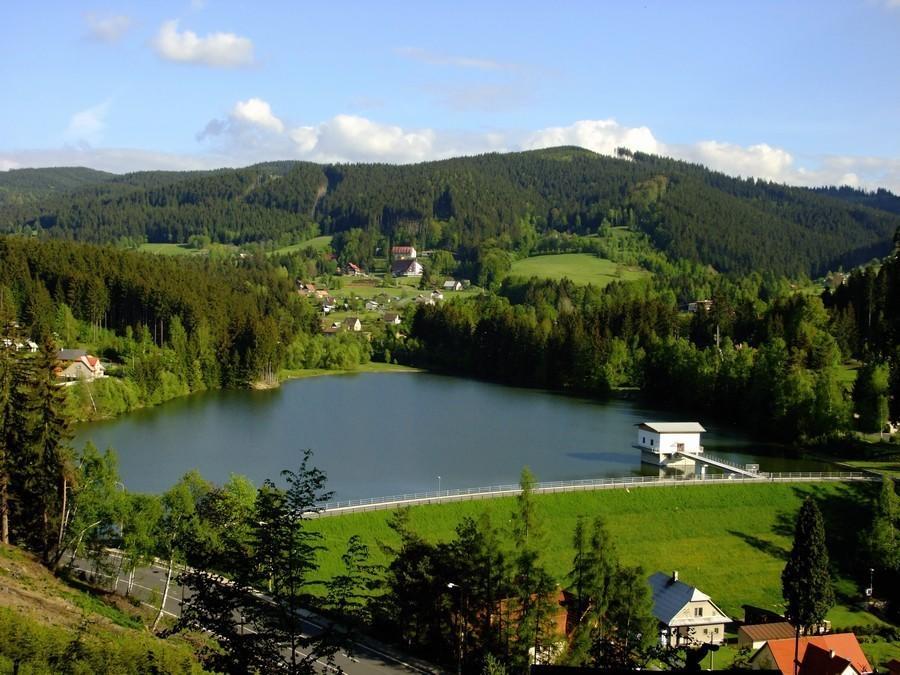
(806, 580)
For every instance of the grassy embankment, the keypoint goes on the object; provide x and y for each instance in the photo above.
(45, 622)
(730, 541)
(580, 268)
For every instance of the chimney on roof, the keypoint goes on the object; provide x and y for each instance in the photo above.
(674, 576)
(831, 653)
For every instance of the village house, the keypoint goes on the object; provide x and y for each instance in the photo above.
(353, 270)
(754, 636)
(407, 267)
(686, 615)
(371, 306)
(452, 285)
(424, 300)
(700, 306)
(437, 295)
(403, 253)
(352, 323)
(304, 288)
(17, 345)
(77, 364)
(329, 304)
(836, 654)
(392, 318)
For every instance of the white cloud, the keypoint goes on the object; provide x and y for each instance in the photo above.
(601, 136)
(115, 160)
(349, 136)
(87, 125)
(256, 112)
(760, 160)
(220, 50)
(431, 58)
(252, 132)
(107, 28)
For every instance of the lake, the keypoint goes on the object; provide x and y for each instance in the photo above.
(378, 434)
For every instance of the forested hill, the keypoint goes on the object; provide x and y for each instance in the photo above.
(472, 203)
(21, 186)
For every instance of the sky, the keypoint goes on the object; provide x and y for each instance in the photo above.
(806, 93)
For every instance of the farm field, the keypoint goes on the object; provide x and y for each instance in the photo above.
(730, 541)
(580, 268)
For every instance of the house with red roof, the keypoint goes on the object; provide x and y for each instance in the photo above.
(835, 654)
(77, 365)
(403, 252)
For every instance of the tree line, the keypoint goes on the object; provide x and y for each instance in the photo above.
(762, 356)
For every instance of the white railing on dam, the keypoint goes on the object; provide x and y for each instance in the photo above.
(493, 491)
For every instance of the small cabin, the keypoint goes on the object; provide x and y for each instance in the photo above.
(663, 442)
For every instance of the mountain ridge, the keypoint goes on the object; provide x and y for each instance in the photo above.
(467, 204)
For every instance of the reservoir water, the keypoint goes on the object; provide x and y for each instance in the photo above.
(393, 433)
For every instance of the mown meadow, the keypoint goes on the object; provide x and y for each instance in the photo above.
(730, 541)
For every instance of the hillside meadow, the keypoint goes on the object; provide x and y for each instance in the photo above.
(580, 268)
(730, 541)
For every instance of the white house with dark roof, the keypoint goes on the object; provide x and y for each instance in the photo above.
(408, 267)
(662, 442)
(686, 614)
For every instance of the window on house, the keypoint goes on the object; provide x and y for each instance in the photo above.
(643, 439)
(716, 630)
(651, 442)
(698, 611)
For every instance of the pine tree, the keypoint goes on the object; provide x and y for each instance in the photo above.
(533, 586)
(594, 570)
(806, 580)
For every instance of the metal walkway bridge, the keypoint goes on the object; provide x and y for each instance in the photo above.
(719, 463)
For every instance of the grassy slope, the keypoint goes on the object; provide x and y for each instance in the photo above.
(581, 268)
(322, 243)
(730, 541)
(34, 602)
(168, 249)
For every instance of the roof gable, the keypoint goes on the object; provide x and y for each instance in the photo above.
(670, 597)
(842, 644)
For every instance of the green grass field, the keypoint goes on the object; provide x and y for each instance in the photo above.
(581, 268)
(322, 243)
(169, 249)
(730, 541)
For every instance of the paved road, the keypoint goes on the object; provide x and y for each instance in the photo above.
(367, 657)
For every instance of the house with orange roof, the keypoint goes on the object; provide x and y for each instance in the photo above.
(835, 654)
(77, 365)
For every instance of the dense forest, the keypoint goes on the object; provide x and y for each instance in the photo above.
(166, 326)
(763, 356)
(469, 205)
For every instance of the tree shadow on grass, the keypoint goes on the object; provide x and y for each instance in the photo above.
(847, 514)
(767, 547)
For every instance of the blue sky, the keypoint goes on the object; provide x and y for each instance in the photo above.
(805, 92)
